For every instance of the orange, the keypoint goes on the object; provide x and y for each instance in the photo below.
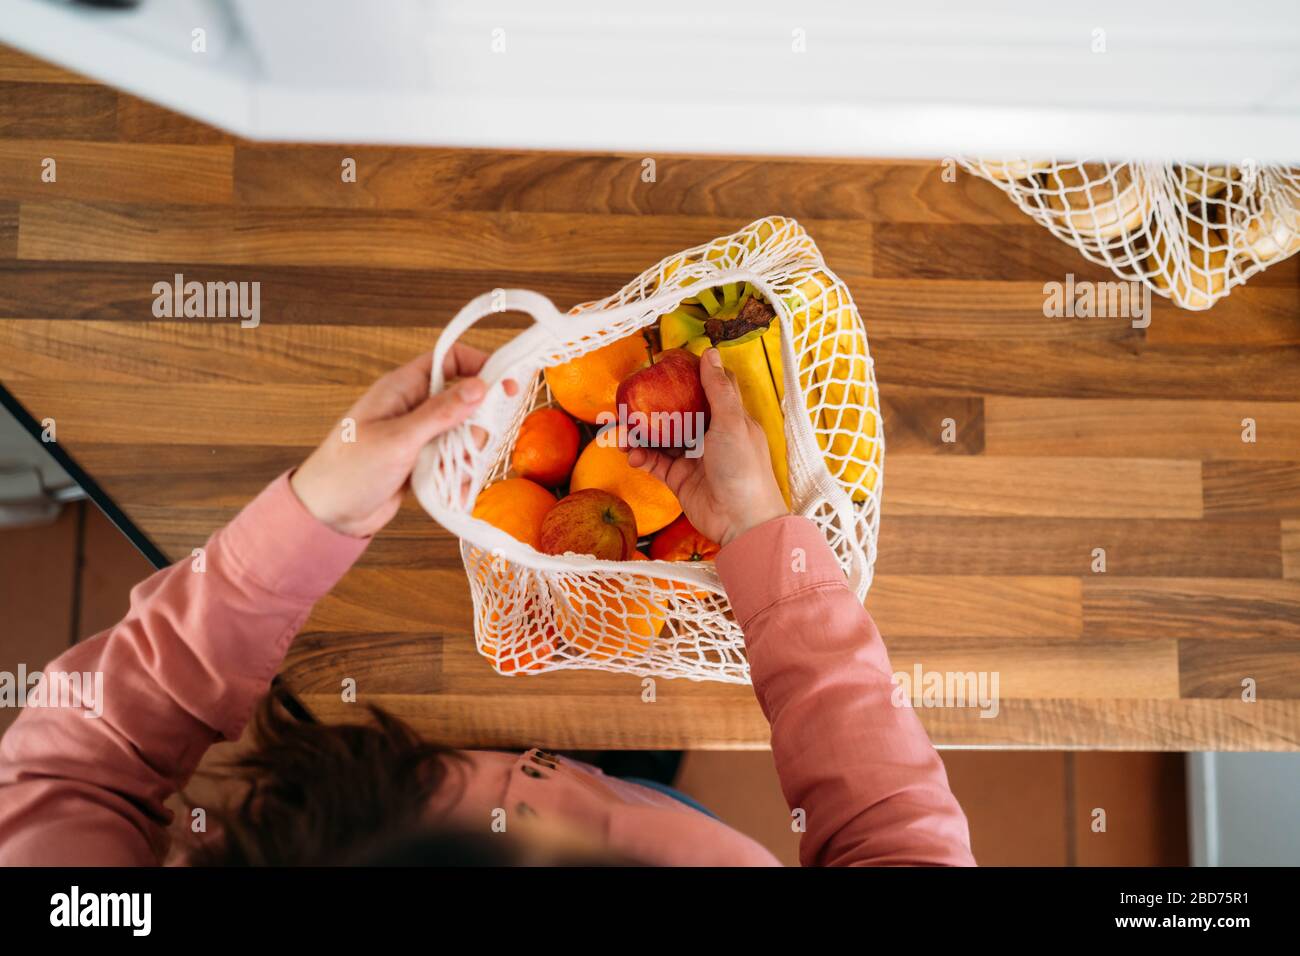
(599, 609)
(546, 447)
(527, 654)
(516, 506)
(680, 541)
(586, 386)
(605, 466)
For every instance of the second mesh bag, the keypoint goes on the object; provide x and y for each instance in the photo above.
(1189, 231)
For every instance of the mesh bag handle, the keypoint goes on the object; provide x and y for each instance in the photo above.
(444, 476)
(548, 323)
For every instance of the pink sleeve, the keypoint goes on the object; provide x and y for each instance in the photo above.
(184, 669)
(872, 788)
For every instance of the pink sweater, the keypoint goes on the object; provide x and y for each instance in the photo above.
(197, 650)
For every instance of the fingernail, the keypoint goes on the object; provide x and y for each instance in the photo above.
(714, 357)
(471, 390)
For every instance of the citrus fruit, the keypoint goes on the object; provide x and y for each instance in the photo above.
(546, 447)
(605, 466)
(680, 541)
(608, 619)
(517, 506)
(587, 385)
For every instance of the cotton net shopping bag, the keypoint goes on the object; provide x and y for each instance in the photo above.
(536, 612)
(1189, 232)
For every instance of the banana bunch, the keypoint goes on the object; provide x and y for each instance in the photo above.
(834, 376)
(741, 324)
(834, 370)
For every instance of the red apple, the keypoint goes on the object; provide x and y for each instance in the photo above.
(663, 405)
(592, 522)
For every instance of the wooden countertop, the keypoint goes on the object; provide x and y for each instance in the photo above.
(1071, 434)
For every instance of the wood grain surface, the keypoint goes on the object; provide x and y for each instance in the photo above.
(1071, 435)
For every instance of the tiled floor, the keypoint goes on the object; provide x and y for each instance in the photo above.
(72, 578)
(60, 583)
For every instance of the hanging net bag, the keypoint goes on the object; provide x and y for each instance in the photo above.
(806, 377)
(1189, 232)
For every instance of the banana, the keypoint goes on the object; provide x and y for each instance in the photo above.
(709, 301)
(837, 377)
(772, 349)
(813, 296)
(746, 356)
(730, 295)
(835, 374)
(766, 229)
(679, 326)
(669, 270)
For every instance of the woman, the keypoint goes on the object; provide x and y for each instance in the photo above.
(198, 650)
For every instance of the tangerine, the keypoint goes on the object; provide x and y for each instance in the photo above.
(546, 447)
(517, 506)
(587, 385)
(609, 620)
(680, 541)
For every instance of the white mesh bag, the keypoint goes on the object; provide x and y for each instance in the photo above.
(536, 612)
(1190, 232)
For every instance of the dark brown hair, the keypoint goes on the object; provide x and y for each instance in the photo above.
(318, 794)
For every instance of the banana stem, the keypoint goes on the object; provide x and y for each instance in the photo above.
(709, 301)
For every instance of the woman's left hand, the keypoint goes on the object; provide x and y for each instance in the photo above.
(354, 480)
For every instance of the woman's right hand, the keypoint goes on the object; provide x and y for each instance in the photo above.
(730, 488)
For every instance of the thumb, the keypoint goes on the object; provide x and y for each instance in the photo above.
(438, 413)
(720, 389)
